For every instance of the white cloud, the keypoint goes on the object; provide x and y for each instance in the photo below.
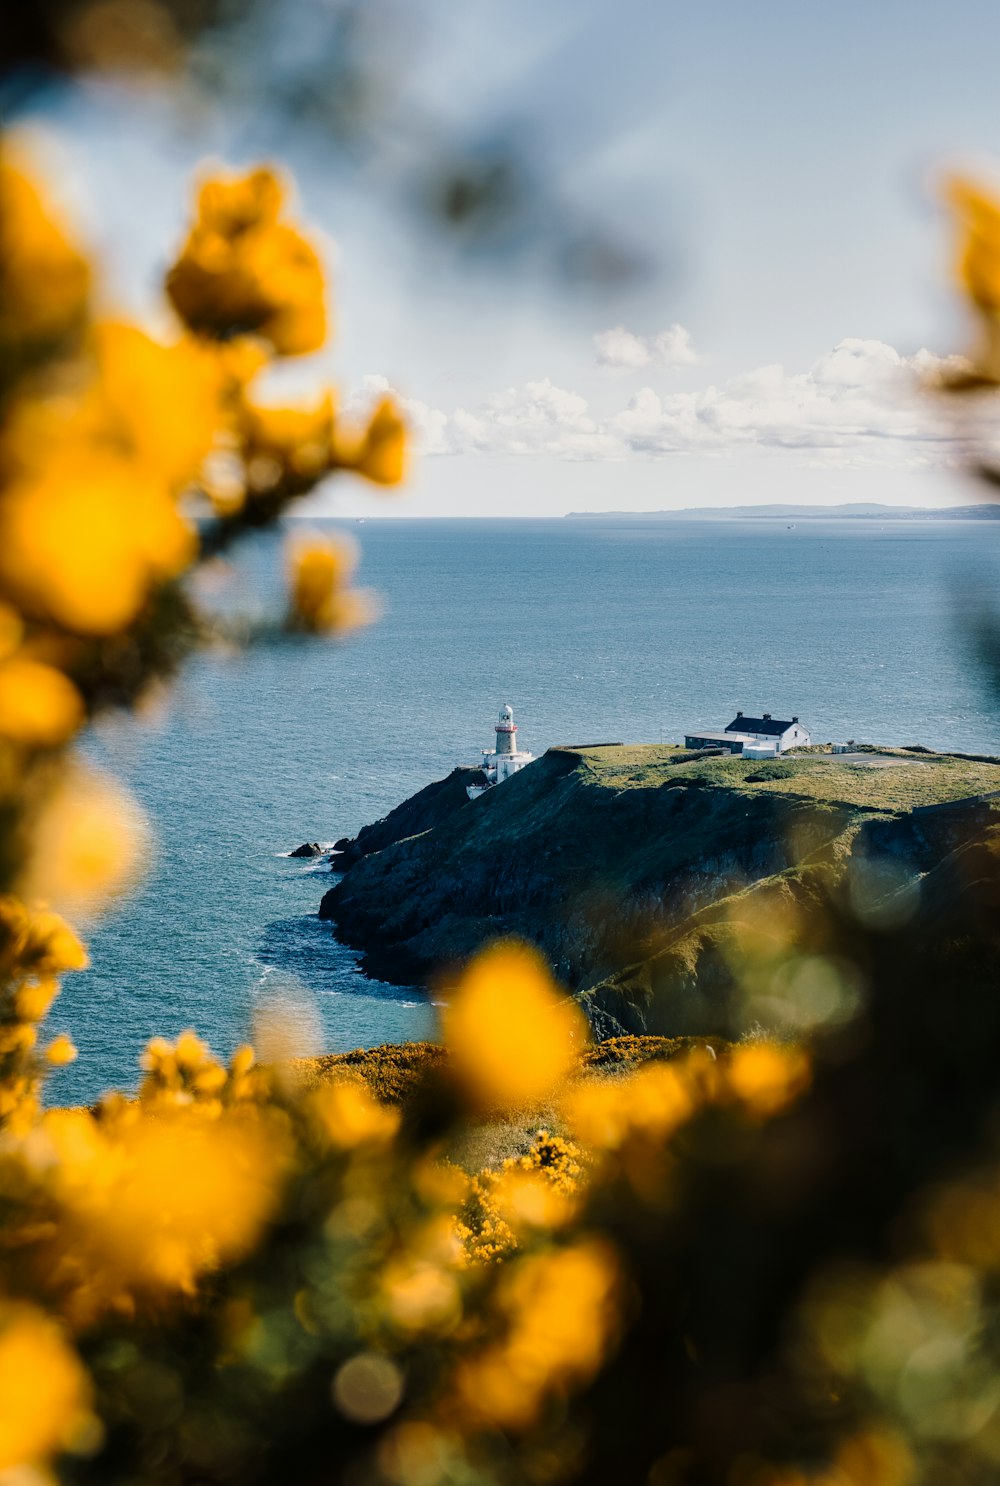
(621, 350)
(538, 418)
(862, 397)
(860, 403)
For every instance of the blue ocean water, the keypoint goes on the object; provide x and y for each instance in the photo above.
(594, 630)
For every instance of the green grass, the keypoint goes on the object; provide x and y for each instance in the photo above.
(924, 779)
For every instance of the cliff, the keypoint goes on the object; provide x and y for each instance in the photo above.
(633, 868)
(423, 811)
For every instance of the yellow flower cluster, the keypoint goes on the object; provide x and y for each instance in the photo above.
(44, 280)
(46, 1393)
(977, 212)
(559, 1312)
(534, 1192)
(513, 1036)
(110, 436)
(979, 253)
(36, 948)
(243, 271)
(120, 1215)
(114, 431)
(321, 597)
(647, 1107)
(147, 1201)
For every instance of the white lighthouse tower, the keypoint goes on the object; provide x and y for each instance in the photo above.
(504, 760)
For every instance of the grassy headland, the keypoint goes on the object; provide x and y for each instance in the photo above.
(634, 866)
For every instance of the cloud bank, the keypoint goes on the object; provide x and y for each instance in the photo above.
(860, 403)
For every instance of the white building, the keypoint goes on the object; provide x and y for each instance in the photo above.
(505, 759)
(753, 737)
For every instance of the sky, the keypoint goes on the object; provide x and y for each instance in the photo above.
(779, 164)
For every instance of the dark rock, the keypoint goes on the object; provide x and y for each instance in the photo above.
(307, 849)
(342, 844)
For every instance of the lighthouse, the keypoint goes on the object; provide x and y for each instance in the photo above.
(505, 759)
(506, 731)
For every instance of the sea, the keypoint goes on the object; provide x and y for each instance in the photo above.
(594, 630)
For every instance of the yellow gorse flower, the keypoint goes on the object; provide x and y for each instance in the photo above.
(287, 446)
(378, 451)
(561, 1313)
(44, 280)
(148, 1201)
(537, 1191)
(39, 706)
(83, 540)
(45, 1394)
(321, 597)
(512, 1034)
(90, 845)
(60, 1051)
(242, 270)
(979, 252)
(347, 1116)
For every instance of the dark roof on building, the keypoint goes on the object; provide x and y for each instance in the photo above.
(772, 726)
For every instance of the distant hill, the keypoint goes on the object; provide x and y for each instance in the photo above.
(850, 511)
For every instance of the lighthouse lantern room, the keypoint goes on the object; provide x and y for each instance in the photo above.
(505, 759)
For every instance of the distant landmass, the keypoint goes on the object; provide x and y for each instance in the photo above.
(851, 511)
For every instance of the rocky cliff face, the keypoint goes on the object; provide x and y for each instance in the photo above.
(423, 811)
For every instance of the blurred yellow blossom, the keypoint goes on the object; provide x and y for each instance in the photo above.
(15, 1037)
(44, 280)
(348, 1115)
(37, 941)
(45, 1394)
(877, 1456)
(512, 1034)
(84, 539)
(158, 404)
(243, 271)
(421, 1296)
(979, 253)
(321, 597)
(288, 447)
(766, 1077)
(33, 1000)
(561, 1310)
(652, 1103)
(379, 450)
(11, 631)
(60, 1051)
(39, 706)
(150, 1202)
(89, 845)
(415, 1453)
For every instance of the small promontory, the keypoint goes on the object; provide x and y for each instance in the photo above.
(631, 866)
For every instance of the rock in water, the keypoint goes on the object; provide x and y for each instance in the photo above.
(307, 849)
